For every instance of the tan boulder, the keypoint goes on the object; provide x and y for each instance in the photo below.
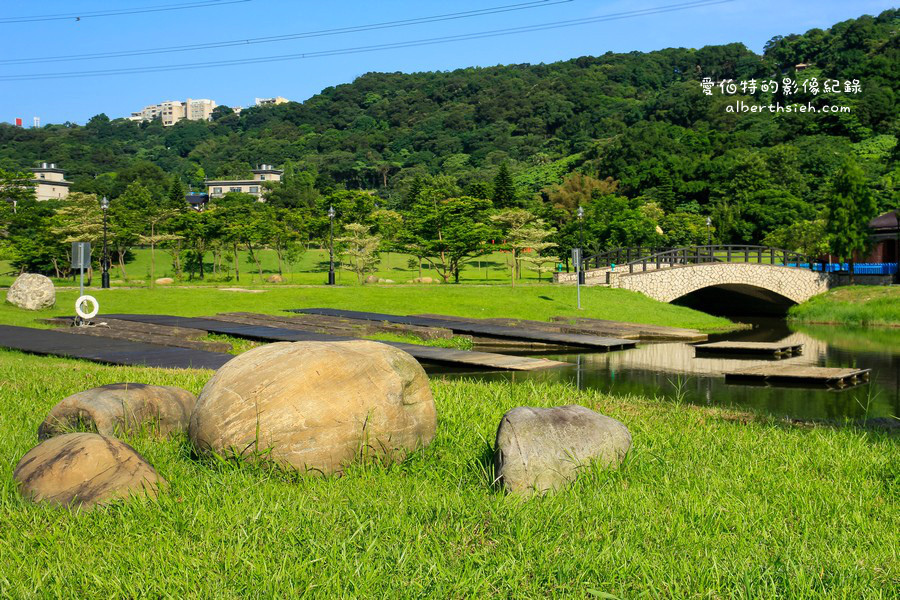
(121, 408)
(372, 279)
(32, 292)
(316, 406)
(275, 279)
(85, 469)
(165, 281)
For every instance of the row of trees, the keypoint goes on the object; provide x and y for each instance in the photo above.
(436, 221)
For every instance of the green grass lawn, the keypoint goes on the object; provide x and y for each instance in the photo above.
(710, 503)
(527, 302)
(863, 305)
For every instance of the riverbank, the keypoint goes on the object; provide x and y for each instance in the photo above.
(710, 502)
(857, 305)
(537, 302)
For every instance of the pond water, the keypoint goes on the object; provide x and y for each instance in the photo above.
(670, 370)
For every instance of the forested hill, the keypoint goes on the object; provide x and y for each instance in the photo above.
(639, 118)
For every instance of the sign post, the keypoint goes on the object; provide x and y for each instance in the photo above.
(576, 261)
(81, 259)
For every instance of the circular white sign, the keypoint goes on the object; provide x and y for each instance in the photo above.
(90, 300)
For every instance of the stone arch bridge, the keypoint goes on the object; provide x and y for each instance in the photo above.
(720, 274)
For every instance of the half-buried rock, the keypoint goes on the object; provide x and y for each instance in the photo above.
(542, 449)
(122, 408)
(316, 406)
(85, 469)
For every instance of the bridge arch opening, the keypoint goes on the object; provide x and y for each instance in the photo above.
(736, 299)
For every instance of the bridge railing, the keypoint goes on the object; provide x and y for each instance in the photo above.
(639, 259)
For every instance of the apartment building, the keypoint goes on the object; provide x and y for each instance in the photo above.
(172, 111)
(50, 182)
(271, 101)
(219, 187)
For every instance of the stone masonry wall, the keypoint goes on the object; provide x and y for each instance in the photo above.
(666, 285)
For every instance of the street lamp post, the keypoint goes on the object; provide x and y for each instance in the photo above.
(104, 258)
(331, 246)
(708, 232)
(580, 214)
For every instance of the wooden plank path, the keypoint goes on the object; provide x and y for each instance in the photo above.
(571, 340)
(778, 349)
(800, 375)
(142, 332)
(632, 331)
(50, 342)
(428, 354)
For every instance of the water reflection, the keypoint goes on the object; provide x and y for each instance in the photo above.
(661, 369)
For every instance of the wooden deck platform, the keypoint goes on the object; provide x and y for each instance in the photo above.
(800, 375)
(571, 340)
(755, 349)
(632, 331)
(109, 351)
(426, 354)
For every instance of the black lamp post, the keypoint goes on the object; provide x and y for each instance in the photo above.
(104, 259)
(708, 233)
(331, 246)
(580, 214)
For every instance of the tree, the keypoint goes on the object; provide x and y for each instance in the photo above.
(504, 193)
(127, 221)
(537, 243)
(806, 237)
(521, 230)
(447, 232)
(360, 249)
(851, 205)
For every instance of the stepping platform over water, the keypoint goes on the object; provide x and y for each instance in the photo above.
(426, 354)
(571, 340)
(777, 349)
(109, 351)
(800, 375)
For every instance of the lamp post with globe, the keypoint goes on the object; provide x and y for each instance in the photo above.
(331, 214)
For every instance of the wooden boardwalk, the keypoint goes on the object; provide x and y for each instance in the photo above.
(800, 375)
(427, 354)
(109, 351)
(776, 349)
(631, 331)
(571, 340)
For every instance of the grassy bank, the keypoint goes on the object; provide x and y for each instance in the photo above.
(526, 302)
(710, 503)
(860, 305)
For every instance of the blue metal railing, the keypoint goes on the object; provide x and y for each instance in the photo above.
(858, 268)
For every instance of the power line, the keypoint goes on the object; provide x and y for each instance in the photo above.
(112, 13)
(294, 36)
(375, 47)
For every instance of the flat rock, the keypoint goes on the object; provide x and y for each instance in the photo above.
(543, 449)
(121, 408)
(275, 279)
(316, 406)
(165, 281)
(85, 469)
(32, 292)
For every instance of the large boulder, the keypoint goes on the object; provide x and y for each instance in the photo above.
(316, 406)
(164, 281)
(372, 279)
(85, 469)
(32, 292)
(542, 449)
(122, 408)
(276, 278)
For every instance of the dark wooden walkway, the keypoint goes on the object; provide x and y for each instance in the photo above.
(571, 340)
(110, 351)
(428, 354)
(777, 349)
(800, 375)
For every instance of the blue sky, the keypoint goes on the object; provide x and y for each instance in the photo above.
(77, 99)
